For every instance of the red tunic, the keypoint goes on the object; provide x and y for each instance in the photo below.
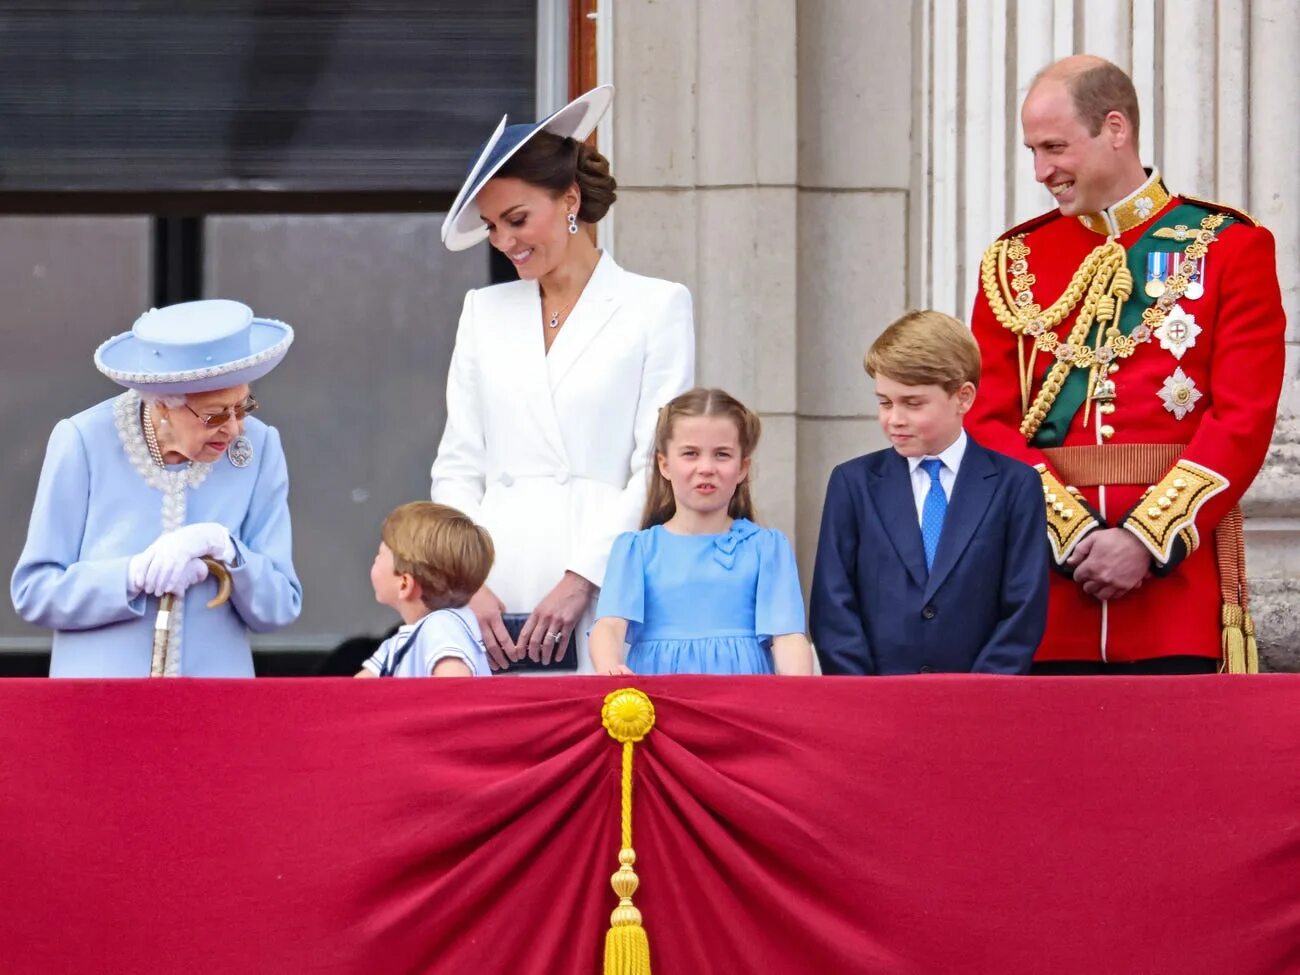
(1236, 366)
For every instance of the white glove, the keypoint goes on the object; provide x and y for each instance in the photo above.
(175, 581)
(169, 557)
(135, 570)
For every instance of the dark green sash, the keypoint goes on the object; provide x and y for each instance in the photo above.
(1075, 388)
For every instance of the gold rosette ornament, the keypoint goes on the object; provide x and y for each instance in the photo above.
(628, 715)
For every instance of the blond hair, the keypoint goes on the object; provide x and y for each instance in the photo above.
(660, 505)
(926, 348)
(442, 549)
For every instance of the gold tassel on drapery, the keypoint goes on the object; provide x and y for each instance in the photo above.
(628, 715)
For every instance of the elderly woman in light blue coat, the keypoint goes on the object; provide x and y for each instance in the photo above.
(137, 490)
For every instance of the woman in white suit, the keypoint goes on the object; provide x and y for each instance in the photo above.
(555, 382)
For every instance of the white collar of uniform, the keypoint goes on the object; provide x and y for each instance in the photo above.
(951, 456)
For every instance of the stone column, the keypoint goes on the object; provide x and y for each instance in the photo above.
(1273, 145)
(704, 153)
(855, 170)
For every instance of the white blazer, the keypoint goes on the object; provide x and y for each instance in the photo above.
(548, 452)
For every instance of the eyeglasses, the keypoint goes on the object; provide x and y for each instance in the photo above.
(215, 420)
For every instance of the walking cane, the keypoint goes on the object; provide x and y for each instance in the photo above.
(219, 572)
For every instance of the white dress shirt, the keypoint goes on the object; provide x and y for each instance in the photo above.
(951, 458)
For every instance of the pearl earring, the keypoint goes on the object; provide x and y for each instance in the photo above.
(573, 223)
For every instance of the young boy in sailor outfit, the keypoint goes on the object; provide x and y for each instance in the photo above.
(431, 560)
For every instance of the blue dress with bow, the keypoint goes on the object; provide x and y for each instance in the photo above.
(703, 604)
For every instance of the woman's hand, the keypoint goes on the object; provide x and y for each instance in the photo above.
(487, 609)
(158, 573)
(619, 670)
(547, 632)
(168, 564)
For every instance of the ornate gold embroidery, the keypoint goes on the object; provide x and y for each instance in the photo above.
(1067, 520)
(1108, 283)
(1169, 509)
(1149, 199)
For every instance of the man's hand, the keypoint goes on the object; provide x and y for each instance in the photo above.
(1109, 563)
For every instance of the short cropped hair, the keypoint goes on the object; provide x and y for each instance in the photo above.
(1098, 88)
(442, 549)
(926, 348)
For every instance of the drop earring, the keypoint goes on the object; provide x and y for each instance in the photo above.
(573, 223)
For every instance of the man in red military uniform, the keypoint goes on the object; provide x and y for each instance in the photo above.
(1132, 347)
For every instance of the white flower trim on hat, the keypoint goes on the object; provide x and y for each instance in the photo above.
(207, 372)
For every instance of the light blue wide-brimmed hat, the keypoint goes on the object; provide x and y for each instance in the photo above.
(194, 347)
(463, 226)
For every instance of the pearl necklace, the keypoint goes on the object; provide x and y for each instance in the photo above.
(151, 437)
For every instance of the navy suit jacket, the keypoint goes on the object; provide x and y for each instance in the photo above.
(983, 607)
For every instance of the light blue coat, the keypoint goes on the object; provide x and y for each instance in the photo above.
(101, 500)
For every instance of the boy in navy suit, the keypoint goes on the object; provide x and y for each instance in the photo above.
(932, 555)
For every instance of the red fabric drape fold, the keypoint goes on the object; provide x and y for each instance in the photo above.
(888, 825)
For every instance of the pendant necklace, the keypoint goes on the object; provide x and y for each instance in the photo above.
(554, 320)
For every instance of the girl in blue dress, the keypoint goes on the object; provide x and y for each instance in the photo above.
(701, 589)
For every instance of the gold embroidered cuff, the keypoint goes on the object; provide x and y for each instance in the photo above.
(1068, 518)
(1168, 511)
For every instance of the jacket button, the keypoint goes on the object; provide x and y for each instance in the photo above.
(562, 477)
(505, 479)
(929, 613)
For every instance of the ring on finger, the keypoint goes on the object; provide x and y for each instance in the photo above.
(555, 636)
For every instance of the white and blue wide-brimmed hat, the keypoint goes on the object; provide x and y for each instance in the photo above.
(463, 226)
(194, 347)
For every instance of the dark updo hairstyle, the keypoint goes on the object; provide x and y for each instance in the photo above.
(555, 163)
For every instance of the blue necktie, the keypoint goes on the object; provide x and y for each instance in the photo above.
(932, 511)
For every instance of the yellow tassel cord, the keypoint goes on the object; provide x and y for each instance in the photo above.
(1252, 648)
(1234, 641)
(1240, 651)
(628, 715)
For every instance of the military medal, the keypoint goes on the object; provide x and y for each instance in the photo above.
(240, 451)
(1195, 286)
(1159, 269)
(1179, 394)
(1177, 333)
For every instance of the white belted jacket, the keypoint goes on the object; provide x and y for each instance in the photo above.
(548, 452)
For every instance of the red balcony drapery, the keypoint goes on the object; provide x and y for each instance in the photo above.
(902, 825)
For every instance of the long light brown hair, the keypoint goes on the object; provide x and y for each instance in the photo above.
(660, 505)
